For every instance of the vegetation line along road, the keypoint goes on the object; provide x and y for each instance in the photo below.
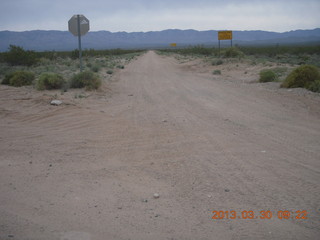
(20, 67)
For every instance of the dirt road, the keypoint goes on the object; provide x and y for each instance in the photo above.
(88, 170)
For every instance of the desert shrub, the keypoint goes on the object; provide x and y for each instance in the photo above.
(192, 50)
(315, 86)
(233, 52)
(86, 79)
(267, 76)
(50, 81)
(280, 71)
(74, 54)
(302, 76)
(19, 78)
(7, 77)
(276, 50)
(201, 50)
(2, 57)
(95, 68)
(18, 56)
(216, 72)
(109, 72)
(217, 62)
(120, 66)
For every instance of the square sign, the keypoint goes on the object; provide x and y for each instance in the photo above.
(73, 25)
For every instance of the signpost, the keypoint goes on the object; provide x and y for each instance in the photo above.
(79, 26)
(173, 45)
(224, 35)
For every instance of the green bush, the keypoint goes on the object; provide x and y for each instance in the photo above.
(315, 86)
(74, 54)
(50, 81)
(217, 62)
(18, 56)
(109, 72)
(19, 78)
(267, 76)
(95, 68)
(86, 79)
(7, 77)
(120, 66)
(302, 76)
(280, 71)
(233, 52)
(216, 72)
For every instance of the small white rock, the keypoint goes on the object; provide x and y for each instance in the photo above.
(56, 102)
(156, 195)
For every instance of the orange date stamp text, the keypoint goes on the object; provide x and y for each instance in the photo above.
(282, 214)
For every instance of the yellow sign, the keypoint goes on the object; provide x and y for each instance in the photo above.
(173, 44)
(225, 35)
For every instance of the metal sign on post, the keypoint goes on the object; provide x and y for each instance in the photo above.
(79, 26)
(173, 45)
(224, 35)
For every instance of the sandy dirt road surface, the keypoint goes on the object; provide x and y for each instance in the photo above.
(88, 170)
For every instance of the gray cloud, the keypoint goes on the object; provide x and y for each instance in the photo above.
(146, 15)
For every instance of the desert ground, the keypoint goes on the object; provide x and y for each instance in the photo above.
(89, 168)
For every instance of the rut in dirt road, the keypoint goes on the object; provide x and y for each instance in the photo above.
(203, 144)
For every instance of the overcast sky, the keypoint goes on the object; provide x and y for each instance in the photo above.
(154, 15)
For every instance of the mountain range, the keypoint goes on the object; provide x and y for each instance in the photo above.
(41, 40)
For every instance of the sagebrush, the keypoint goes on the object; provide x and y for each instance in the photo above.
(303, 76)
(50, 81)
(18, 56)
(19, 78)
(86, 79)
(233, 52)
(315, 86)
(267, 76)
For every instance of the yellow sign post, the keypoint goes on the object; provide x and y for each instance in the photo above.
(173, 44)
(224, 35)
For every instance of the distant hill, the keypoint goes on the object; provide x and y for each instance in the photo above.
(40, 40)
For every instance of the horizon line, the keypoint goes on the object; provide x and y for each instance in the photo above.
(173, 29)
